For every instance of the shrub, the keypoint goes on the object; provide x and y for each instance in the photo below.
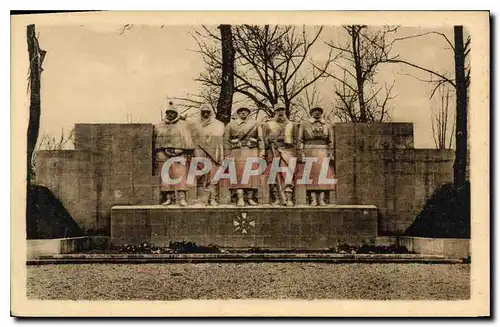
(369, 249)
(192, 247)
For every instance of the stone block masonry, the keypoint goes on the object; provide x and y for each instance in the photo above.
(69, 175)
(300, 227)
(377, 164)
(111, 164)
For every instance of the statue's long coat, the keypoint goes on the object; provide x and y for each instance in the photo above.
(174, 135)
(208, 136)
(283, 134)
(316, 137)
(248, 134)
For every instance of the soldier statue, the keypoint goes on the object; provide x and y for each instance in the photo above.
(243, 139)
(279, 142)
(208, 133)
(172, 138)
(315, 140)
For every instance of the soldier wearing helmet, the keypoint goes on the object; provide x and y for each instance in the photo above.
(279, 135)
(172, 138)
(315, 139)
(208, 135)
(243, 139)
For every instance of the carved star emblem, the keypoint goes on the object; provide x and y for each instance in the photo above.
(243, 224)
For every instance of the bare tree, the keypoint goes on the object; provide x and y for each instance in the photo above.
(437, 78)
(462, 80)
(442, 122)
(271, 63)
(49, 142)
(460, 83)
(309, 99)
(225, 100)
(359, 97)
(190, 104)
(195, 101)
(36, 57)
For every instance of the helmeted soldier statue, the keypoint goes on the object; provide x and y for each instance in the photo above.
(208, 133)
(243, 139)
(172, 138)
(315, 139)
(280, 145)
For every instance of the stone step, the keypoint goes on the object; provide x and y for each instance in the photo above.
(241, 257)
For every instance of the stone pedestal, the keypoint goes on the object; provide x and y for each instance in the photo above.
(299, 227)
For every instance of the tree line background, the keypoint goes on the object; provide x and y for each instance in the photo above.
(270, 64)
(261, 66)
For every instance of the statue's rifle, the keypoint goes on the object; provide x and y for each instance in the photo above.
(208, 153)
(281, 192)
(247, 133)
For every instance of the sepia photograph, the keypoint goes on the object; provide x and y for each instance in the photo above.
(227, 156)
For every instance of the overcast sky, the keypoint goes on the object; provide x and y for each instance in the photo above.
(94, 74)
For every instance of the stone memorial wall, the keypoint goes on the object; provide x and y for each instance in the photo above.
(117, 170)
(377, 164)
(69, 174)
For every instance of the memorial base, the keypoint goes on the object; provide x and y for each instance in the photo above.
(299, 227)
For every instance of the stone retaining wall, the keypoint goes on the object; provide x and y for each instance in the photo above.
(455, 248)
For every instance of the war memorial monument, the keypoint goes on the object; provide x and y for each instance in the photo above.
(245, 185)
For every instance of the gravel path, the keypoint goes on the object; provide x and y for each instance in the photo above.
(249, 280)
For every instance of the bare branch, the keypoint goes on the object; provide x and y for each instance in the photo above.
(358, 97)
(424, 34)
(270, 62)
(423, 69)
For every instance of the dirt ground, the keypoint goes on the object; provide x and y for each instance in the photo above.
(249, 280)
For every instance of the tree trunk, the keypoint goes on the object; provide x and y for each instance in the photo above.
(359, 78)
(225, 102)
(36, 56)
(459, 167)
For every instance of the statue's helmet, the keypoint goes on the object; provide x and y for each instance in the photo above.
(243, 109)
(171, 108)
(206, 107)
(316, 109)
(279, 107)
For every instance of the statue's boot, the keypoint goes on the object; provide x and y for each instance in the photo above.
(240, 201)
(276, 198)
(313, 199)
(322, 199)
(168, 199)
(251, 197)
(212, 199)
(182, 199)
(289, 197)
